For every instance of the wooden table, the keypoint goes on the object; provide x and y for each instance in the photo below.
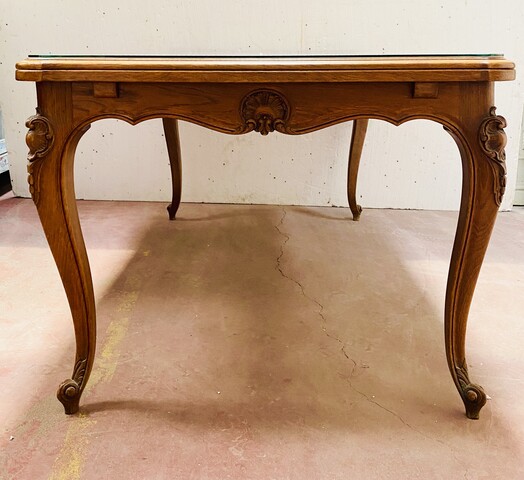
(291, 95)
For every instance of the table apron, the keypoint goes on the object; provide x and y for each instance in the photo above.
(292, 108)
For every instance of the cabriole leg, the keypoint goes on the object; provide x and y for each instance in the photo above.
(51, 153)
(355, 152)
(175, 161)
(481, 143)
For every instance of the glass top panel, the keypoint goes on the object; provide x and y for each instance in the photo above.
(320, 56)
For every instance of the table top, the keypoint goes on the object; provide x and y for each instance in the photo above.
(325, 68)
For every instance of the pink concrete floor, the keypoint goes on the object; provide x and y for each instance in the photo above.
(259, 342)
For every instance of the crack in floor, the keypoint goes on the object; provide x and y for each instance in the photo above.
(396, 415)
(320, 312)
(302, 290)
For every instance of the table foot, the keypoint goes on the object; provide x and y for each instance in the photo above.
(172, 211)
(70, 390)
(472, 395)
(356, 213)
(175, 162)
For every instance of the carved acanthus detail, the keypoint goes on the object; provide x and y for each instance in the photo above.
(492, 141)
(39, 139)
(473, 395)
(265, 111)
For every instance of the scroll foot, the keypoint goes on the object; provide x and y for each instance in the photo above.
(472, 395)
(356, 213)
(69, 396)
(70, 391)
(172, 211)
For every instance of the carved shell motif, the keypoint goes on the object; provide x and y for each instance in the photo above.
(39, 138)
(492, 141)
(264, 111)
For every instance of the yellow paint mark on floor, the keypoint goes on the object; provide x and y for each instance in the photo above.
(70, 461)
(107, 361)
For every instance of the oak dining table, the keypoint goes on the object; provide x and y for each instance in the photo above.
(286, 94)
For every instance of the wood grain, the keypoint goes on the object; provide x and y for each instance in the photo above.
(260, 69)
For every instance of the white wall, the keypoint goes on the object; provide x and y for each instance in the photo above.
(413, 166)
(519, 187)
